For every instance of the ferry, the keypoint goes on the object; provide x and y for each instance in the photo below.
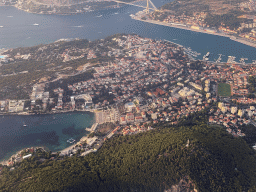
(71, 140)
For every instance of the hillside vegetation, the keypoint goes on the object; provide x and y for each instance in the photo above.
(212, 160)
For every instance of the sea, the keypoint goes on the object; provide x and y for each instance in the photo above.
(49, 131)
(22, 29)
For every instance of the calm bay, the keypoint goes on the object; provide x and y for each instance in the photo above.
(50, 131)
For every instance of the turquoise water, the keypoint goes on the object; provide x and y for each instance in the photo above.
(1, 56)
(51, 131)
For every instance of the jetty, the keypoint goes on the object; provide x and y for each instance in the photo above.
(93, 128)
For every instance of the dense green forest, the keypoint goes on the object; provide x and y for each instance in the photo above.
(152, 161)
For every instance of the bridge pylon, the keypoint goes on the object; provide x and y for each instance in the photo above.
(147, 8)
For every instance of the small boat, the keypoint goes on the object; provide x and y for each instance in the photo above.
(1, 26)
(24, 125)
(71, 140)
(35, 24)
(99, 16)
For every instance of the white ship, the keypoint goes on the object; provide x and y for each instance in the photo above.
(35, 24)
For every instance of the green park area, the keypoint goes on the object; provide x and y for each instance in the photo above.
(224, 90)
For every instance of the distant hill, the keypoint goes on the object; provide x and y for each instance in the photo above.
(201, 157)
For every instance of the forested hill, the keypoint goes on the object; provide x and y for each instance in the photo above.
(212, 160)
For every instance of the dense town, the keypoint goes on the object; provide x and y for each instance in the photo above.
(149, 83)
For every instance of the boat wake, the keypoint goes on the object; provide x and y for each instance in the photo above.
(79, 26)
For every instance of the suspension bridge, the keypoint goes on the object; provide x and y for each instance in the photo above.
(147, 4)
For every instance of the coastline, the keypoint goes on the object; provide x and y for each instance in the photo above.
(62, 14)
(5, 162)
(51, 113)
(251, 44)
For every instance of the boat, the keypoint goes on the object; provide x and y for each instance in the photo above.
(24, 125)
(242, 60)
(206, 56)
(99, 16)
(35, 24)
(71, 140)
(219, 59)
(1, 26)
